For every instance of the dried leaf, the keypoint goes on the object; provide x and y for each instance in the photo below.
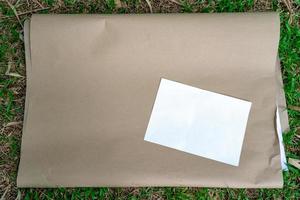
(8, 68)
(12, 7)
(13, 123)
(295, 108)
(118, 3)
(150, 6)
(294, 162)
(19, 195)
(176, 2)
(14, 75)
(3, 195)
(8, 73)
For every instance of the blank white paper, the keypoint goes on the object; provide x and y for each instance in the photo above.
(199, 122)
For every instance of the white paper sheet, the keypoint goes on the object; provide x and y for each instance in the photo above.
(199, 122)
(281, 145)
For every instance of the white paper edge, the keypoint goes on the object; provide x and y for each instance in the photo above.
(281, 145)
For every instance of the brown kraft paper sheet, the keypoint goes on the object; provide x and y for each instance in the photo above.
(92, 82)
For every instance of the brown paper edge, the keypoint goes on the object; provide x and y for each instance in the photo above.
(28, 69)
(280, 99)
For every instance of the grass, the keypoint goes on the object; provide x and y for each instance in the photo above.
(12, 92)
